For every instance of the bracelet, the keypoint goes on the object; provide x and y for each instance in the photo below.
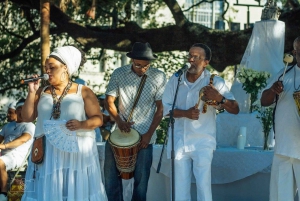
(4, 146)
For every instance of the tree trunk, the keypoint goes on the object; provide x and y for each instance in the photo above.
(45, 39)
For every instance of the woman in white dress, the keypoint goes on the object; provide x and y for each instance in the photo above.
(64, 175)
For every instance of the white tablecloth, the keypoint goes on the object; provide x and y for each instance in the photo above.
(235, 173)
(228, 165)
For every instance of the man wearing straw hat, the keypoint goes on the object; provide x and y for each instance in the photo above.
(17, 136)
(283, 89)
(147, 114)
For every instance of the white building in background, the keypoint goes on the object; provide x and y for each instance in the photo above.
(94, 70)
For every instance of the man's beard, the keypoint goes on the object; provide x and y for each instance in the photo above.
(195, 70)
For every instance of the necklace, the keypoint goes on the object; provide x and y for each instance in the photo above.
(296, 89)
(57, 101)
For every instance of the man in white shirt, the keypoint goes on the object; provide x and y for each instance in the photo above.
(285, 173)
(18, 137)
(195, 128)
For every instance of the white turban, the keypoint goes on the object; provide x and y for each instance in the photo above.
(70, 56)
(12, 105)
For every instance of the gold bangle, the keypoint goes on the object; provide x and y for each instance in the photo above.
(4, 146)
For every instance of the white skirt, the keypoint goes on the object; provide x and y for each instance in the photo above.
(66, 176)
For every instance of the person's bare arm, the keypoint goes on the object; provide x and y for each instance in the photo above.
(16, 142)
(112, 110)
(146, 137)
(92, 111)
(268, 95)
(191, 113)
(29, 109)
(211, 93)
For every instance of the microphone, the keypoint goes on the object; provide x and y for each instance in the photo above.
(184, 68)
(33, 79)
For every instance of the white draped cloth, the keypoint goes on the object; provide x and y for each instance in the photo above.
(264, 52)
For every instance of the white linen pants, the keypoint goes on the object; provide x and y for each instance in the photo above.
(200, 163)
(285, 177)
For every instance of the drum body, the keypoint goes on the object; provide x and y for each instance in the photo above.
(296, 96)
(125, 149)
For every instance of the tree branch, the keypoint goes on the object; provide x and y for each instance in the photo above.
(177, 13)
(25, 42)
(9, 32)
(29, 19)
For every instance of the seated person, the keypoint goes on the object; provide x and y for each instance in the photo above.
(11, 114)
(18, 137)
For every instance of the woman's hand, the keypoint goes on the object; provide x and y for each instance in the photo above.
(34, 86)
(74, 125)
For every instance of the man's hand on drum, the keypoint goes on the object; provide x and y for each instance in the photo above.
(125, 126)
(145, 140)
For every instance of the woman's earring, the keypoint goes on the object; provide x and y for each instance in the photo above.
(63, 76)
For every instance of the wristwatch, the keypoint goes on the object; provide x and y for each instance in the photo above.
(223, 101)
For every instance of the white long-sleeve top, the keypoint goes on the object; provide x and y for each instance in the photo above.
(189, 134)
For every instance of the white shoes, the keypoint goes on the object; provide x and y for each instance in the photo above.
(3, 197)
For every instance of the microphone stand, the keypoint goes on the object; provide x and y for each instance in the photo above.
(171, 122)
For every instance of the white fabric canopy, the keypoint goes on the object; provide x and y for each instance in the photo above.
(264, 52)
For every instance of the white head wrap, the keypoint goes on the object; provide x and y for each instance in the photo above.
(12, 105)
(20, 104)
(70, 55)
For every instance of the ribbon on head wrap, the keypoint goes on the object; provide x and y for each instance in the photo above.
(70, 56)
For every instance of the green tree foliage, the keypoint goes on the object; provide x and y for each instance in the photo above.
(162, 130)
(116, 26)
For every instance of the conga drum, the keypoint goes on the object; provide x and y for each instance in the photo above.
(125, 149)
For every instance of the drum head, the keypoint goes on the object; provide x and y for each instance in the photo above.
(123, 139)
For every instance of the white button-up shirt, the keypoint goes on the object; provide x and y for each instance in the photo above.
(189, 134)
(124, 83)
